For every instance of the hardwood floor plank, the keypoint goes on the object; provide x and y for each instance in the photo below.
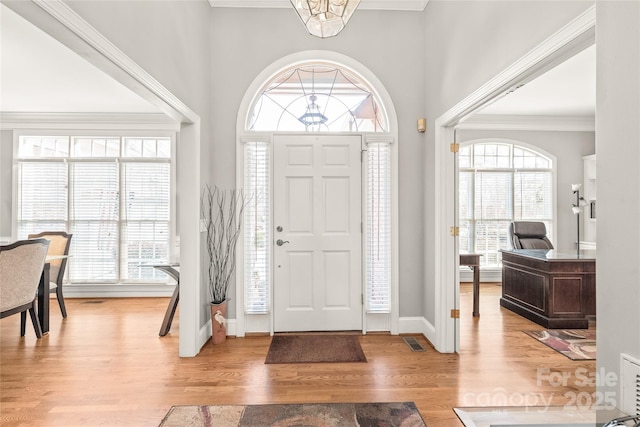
(105, 365)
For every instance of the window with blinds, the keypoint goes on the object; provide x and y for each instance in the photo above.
(499, 183)
(257, 254)
(112, 193)
(378, 235)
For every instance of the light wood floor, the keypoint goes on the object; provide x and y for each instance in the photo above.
(105, 365)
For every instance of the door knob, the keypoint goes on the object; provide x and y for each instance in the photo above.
(281, 242)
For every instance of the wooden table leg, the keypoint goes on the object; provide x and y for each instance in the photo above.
(476, 290)
(43, 299)
(171, 310)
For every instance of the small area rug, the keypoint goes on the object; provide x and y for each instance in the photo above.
(315, 349)
(576, 344)
(403, 414)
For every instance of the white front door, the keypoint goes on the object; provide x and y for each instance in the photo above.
(317, 233)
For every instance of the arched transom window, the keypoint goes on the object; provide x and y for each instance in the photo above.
(498, 183)
(317, 97)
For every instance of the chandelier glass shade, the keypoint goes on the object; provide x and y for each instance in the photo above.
(325, 18)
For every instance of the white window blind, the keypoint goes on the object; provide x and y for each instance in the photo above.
(145, 218)
(378, 237)
(499, 183)
(95, 211)
(257, 228)
(42, 197)
(112, 193)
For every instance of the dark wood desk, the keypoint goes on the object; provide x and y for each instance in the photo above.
(473, 261)
(553, 289)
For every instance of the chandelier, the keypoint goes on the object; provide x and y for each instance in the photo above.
(313, 117)
(325, 18)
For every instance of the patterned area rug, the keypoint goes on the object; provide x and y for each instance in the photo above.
(315, 348)
(403, 414)
(576, 344)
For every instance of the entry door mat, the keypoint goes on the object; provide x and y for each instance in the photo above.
(403, 414)
(526, 416)
(315, 348)
(576, 344)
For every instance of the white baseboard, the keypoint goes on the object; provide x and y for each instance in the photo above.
(418, 325)
(492, 276)
(205, 332)
(117, 290)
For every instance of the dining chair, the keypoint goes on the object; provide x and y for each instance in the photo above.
(21, 265)
(59, 244)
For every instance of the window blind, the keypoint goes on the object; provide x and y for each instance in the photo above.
(532, 195)
(257, 228)
(145, 219)
(94, 214)
(42, 197)
(113, 193)
(378, 237)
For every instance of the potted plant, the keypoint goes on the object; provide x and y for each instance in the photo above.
(222, 212)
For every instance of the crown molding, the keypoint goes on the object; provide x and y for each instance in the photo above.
(407, 5)
(535, 123)
(140, 121)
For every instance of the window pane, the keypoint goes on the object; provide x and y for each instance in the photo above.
(492, 156)
(464, 158)
(43, 146)
(317, 97)
(95, 147)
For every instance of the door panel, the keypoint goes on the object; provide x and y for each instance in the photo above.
(317, 202)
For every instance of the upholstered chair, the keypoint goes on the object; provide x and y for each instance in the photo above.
(59, 244)
(21, 265)
(529, 235)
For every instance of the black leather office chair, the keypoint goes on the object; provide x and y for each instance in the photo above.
(529, 235)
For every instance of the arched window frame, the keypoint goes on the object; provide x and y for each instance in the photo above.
(552, 170)
(372, 321)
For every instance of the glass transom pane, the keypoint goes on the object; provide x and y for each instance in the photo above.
(317, 97)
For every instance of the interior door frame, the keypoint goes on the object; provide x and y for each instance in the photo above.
(261, 323)
(574, 37)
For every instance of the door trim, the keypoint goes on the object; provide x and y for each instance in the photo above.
(574, 37)
(262, 323)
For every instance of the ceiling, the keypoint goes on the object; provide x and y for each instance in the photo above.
(39, 74)
(569, 89)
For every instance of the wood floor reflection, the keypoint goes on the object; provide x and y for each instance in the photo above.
(105, 365)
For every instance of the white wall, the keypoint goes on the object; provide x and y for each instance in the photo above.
(6, 179)
(568, 148)
(467, 44)
(390, 44)
(618, 171)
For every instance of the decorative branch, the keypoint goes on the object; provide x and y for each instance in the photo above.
(222, 210)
